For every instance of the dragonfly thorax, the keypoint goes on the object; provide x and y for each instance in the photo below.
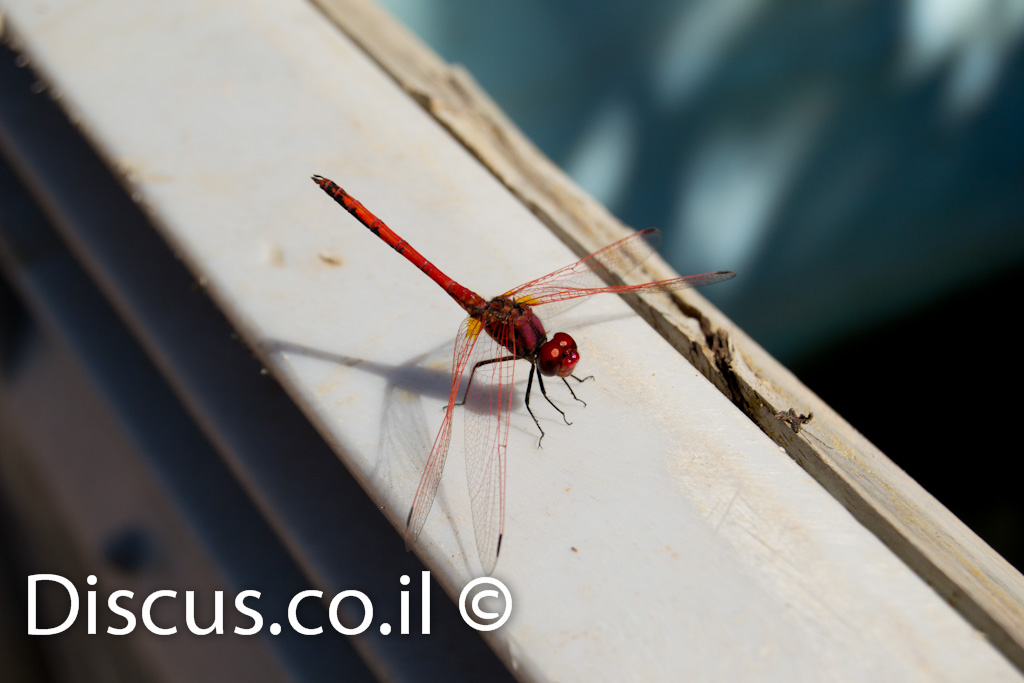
(514, 325)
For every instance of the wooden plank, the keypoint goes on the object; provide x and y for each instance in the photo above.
(984, 587)
(663, 535)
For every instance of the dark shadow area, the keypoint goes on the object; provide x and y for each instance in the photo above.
(955, 439)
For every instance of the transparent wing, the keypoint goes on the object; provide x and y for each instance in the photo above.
(488, 411)
(561, 289)
(465, 342)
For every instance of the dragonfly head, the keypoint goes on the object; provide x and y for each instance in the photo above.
(558, 356)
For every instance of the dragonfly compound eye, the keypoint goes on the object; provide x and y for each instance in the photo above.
(558, 356)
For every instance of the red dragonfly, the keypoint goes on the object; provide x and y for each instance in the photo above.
(514, 331)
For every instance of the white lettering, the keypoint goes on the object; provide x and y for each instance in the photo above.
(367, 613)
(33, 630)
(218, 613)
(147, 613)
(294, 620)
(129, 618)
(257, 618)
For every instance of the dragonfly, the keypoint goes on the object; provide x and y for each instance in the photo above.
(494, 336)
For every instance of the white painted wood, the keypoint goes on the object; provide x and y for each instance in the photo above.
(986, 589)
(661, 536)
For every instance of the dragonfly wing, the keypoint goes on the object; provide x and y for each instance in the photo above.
(618, 258)
(561, 289)
(555, 300)
(465, 342)
(488, 409)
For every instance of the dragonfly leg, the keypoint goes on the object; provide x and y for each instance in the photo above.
(469, 383)
(529, 385)
(540, 381)
(569, 387)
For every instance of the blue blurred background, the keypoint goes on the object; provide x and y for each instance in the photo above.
(859, 163)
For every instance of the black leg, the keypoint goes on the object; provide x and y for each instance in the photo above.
(529, 386)
(472, 372)
(540, 381)
(567, 386)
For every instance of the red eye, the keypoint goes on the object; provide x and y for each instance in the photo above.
(558, 356)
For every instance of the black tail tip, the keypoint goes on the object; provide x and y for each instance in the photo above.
(317, 178)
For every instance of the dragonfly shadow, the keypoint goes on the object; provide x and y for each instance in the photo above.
(403, 421)
(407, 423)
(410, 376)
